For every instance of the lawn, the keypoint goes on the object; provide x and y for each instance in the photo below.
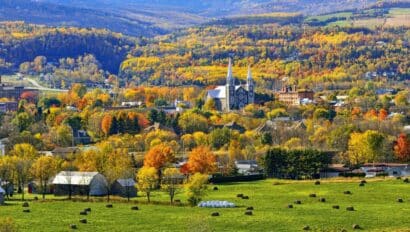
(376, 209)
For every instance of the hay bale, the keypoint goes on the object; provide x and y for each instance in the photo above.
(245, 197)
(25, 205)
(249, 208)
(298, 202)
(36, 198)
(87, 210)
(26, 210)
(312, 195)
(290, 206)
(73, 226)
(240, 195)
(398, 178)
(322, 199)
(317, 182)
(336, 207)
(177, 201)
(249, 213)
(400, 200)
(406, 180)
(356, 227)
(350, 208)
(109, 206)
(135, 208)
(83, 213)
(363, 182)
(216, 188)
(361, 185)
(347, 192)
(343, 230)
(306, 228)
(215, 214)
(84, 221)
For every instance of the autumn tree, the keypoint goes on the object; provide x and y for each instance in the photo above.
(7, 171)
(402, 148)
(171, 182)
(106, 124)
(159, 156)
(147, 180)
(196, 188)
(191, 122)
(365, 147)
(202, 160)
(43, 170)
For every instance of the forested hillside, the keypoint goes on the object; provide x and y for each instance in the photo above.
(21, 42)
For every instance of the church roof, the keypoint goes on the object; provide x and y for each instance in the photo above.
(218, 92)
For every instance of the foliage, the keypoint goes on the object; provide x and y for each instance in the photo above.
(202, 160)
(147, 179)
(365, 147)
(195, 188)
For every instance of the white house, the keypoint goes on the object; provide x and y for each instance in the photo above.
(80, 183)
(391, 169)
(247, 167)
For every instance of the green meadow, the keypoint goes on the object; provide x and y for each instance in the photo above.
(376, 209)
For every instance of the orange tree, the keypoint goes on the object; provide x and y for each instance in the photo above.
(202, 160)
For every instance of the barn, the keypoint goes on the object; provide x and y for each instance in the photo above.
(80, 183)
(124, 188)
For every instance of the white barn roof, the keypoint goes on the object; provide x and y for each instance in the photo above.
(2, 191)
(218, 92)
(75, 178)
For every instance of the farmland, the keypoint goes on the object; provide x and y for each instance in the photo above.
(375, 204)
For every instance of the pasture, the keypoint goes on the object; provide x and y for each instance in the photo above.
(376, 208)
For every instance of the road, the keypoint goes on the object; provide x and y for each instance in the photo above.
(42, 88)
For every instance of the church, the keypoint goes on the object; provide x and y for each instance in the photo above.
(231, 96)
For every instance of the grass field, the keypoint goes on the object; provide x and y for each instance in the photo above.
(376, 209)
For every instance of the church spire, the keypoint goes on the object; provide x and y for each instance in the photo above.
(229, 77)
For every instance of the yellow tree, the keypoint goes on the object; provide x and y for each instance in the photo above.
(196, 187)
(202, 160)
(43, 169)
(171, 181)
(365, 147)
(147, 180)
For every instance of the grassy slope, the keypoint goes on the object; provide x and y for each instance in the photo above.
(375, 204)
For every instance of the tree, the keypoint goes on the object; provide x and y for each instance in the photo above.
(147, 180)
(202, 160)
(158, 156)
(196, 188)
(235, 151)
(7, 171)
(402, 148)
(106, 124)
(219, 137)
(171, 181)
(191, 122)
(365, 147)
(43, 169)
(23, 157)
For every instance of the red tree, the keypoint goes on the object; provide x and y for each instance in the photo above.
(402, 148)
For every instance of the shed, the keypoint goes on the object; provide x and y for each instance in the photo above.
(2, 194)
(80, 183)
(124, 188)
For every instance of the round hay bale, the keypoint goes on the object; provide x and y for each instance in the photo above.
(336, 207)
(84, 221)
(83, 213)
(216, 188)
(298, 202)
(363, 182)
(25, 205)
(347, 192)
(239, 195)
(356, 227)
(290, 206)
(87, 209)
(134, 208)
(317, 182)
(343, 230)
(249, 213)
(398, 178)
(36, 198)
(406, 180)
(215, 214)
(249, 208)
(73, 226)
(312, 195)
(306, 228)
(109, 206)
(245, 197)
(322, 199)
(361, 185)
(400, 200)
(26, 210)
(350, 208)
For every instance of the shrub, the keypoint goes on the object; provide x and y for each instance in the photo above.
(7, 225)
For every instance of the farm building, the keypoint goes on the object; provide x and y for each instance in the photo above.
(124, 188)
(248, 167)
(333, 170)
(389, 169)
(2, 196)
(80, 183)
